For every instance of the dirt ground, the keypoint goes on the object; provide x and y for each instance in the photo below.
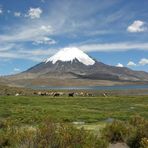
(118, 145)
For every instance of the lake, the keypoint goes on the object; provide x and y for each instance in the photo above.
(121, 87)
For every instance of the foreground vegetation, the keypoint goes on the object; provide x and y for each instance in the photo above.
(42, 122)
(52, 135)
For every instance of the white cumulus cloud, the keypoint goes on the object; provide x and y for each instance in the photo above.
(17, 14)
(143, 62)
(131, 63)
(34, 13)
(119, 65)
(137, 26)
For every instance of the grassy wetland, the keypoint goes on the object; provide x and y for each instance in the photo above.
(80, 121)
(33, 109)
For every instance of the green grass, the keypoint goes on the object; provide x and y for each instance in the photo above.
(34, 109)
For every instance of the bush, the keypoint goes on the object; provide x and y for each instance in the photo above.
(50, 134)
(117, 131)
(137, 121)
(53, 135)
(6, 123)
(17, 137)
(140, 132)
(144, 143)
(65, 135)
(134, 132)
(46, 135)
(73, 138)
(136, 138)
(6, 133)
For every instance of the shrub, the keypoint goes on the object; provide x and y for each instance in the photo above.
(65, 135)
(134, 132)
(117, 131)
(72, 137)
(137, 121)
(53, 135)
(46, 135)
(50, 134)
(6, 123)
(140, 132)
(24, 137)
(144, 143)
(17, 137)
(101, 143)
(4, 141)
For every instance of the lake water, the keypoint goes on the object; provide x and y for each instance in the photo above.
(121, 87)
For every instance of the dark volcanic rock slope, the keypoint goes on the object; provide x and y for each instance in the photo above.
(84, 67)
(71, 66)
(80, 70)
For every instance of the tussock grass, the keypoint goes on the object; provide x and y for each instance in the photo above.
(34, 109)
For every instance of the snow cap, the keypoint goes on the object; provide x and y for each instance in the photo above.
(70, 54)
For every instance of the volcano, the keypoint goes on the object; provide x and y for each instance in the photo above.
(71, 66)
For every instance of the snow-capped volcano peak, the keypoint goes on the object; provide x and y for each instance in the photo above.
(70, 54)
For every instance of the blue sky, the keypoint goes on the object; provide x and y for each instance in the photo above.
(112, 31)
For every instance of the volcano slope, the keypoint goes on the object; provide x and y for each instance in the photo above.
(72, 67)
